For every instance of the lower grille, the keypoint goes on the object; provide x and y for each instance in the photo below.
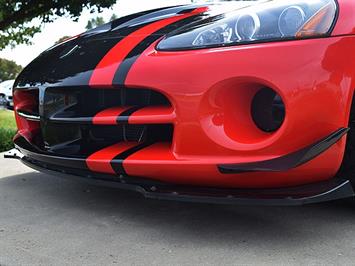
(77, 121)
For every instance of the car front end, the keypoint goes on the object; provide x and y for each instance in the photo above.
(236, 102)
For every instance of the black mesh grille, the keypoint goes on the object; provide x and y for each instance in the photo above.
(82, 138)
(87, 102)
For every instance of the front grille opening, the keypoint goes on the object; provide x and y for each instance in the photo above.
(83, 140)
(27, 100)
(73, 136)
(87, 102)
(26, 106)
(78, 140)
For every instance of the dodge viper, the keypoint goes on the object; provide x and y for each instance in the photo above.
(245, 102)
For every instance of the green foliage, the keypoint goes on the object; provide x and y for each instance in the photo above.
(64, 38)
(6, 136)
(113, 17)
(15, 16)
(98, 21)
(95, 22)
(7, 119)
(17, 34)
(7, 130)
(8, 69)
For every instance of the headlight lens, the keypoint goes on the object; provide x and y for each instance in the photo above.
(264, 21)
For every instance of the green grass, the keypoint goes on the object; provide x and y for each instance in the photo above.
(7, 130)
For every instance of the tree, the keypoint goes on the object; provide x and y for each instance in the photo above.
(95, 22)
(62, 39)
(98, 21)
(8, 69)
(113, 17)
(16, 15)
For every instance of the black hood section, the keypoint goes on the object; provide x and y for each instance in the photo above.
(71, 63)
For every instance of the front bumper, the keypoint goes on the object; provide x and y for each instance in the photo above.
(207, 105)
(279, 164)
(307, 194)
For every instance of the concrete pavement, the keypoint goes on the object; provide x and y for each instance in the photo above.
(49, 221)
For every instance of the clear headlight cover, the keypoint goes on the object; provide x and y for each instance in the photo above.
(263, 21)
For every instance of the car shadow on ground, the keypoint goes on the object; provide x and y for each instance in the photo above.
(217, 225)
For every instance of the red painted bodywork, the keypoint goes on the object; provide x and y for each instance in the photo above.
(109, 116)
(147, 115)
(314, 77)
(211, 91)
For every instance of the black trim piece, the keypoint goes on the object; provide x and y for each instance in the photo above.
(71, 120)
(34, 153)
(117, 162)
(124, 116)
(131, 58)
(288, 161)
(334, 189)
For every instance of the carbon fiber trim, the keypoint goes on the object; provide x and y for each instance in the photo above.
(288, 161)
(334, 189)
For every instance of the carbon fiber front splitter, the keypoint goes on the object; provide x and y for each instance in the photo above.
(307, 194)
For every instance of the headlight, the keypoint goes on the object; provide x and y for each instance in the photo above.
(262, 21)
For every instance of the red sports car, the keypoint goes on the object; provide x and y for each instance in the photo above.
(237, 102)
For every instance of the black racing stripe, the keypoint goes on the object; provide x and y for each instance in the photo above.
(58, 66)
(128, 18)
(186, 11)
(124, 116)
(125, 66)
(117, 162)
(74, 62)
(157, 14)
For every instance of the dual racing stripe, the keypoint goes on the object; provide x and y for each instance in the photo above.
(110, 160)
(115, 65)
(112, 71)
(123, 69)
(109, 116)
(124, 116)
(117, 162)
(100, 161)
(115, 115)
